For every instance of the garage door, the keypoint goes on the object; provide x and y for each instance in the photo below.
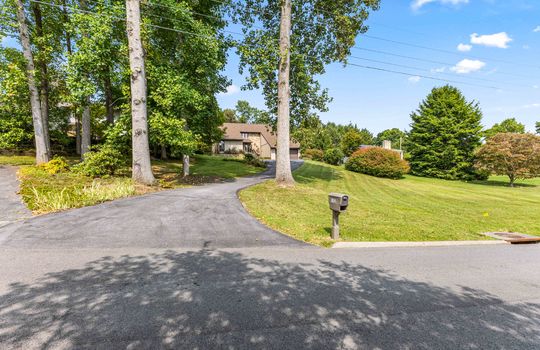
(294, 154)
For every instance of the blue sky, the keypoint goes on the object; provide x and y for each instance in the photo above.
(500, 42)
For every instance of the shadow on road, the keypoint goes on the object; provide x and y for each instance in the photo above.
(206, 299)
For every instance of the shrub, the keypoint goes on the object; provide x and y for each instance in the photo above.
(251, 159)
(378, 162)
(55, 166)
(313, 154)
(333, 156)
(103, 162)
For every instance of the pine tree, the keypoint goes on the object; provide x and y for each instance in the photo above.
(445, 132)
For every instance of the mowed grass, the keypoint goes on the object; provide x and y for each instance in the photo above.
(410, 209)
(17, 160)
(44, 192)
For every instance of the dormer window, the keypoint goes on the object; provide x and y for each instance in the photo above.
(245, 135)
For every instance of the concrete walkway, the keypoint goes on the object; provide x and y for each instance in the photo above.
(11, 207)
(209, 216)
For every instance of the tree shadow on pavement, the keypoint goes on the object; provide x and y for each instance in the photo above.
(215, 299)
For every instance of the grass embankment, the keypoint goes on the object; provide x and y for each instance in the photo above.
(44, 192)
(411, 209)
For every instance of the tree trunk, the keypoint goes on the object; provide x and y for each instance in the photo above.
(44, 75)
(42, 155)
(283, 162)
(107, 87)
(164, 152)
(142, 168)
(77, 136)
(185, 165)
(86, 134)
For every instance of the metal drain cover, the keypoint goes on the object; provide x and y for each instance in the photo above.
(513, 237)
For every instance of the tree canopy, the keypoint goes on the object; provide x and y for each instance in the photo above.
(507, 125)
(511, 154)
(445, 132)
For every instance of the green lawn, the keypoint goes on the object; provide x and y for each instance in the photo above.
(411, 209)
(44, 192)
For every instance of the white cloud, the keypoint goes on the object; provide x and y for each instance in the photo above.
(417, 4)
(231, 90)
(467, 66)
(535, 86)
(414, 79)
(526, 47)
(464, 47)
(438, 70)
(537, 29)
(532, 105)
(499, 40)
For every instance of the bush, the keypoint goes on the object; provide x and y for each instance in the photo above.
(378, 162)
(103, 162)
(253, 160)
(333, 156)
(55, 166)
(313, 154)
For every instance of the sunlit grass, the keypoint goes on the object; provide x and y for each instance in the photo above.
(411, 209)
(17, 160)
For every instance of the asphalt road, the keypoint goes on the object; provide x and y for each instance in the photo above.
(269, 294)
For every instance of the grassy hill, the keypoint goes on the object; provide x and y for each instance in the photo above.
(411, 209)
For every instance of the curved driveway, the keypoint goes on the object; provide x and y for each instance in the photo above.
(209, 216)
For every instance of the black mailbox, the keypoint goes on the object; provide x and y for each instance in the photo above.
(338, 201)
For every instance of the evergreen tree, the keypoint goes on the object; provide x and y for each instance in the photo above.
(445, 132)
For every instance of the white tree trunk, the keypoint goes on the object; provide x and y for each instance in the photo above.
(42, 155)
(185, 165)
(283, 159)
(142, 168)
(86, 135)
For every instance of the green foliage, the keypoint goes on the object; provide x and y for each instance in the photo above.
(537, 126)
(55, 165)
(105, 161)
(249, 114)
(313, 154)
(324, 29)
(16, 130)
(507, 125)
(172, 132)
(353, 139)
(514, 155)
(445, 132)
(376, 161)
(333, 156)
(44, 193)
(253, 160)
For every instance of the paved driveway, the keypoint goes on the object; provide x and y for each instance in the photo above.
(209, 216)
(11, 206)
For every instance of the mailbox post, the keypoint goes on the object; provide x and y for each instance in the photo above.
(338, 203)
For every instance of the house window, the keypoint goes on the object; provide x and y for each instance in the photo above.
(245, 135)
(221, 146)
(247, 148)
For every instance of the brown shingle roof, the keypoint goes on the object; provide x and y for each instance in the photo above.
(233, 131)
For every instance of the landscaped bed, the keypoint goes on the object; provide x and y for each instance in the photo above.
(44, 192)
(410, 209)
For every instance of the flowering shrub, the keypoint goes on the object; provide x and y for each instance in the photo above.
(378, 162)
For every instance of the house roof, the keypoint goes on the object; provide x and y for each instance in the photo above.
(233, 131)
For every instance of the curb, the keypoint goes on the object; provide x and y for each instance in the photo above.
(412, 244)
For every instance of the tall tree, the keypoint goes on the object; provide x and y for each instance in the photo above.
(141, 167)
(42, 152)
(322, 32)
(507, 125)
(537, 127)
(394, 135)
(445, 132)
(44, 75)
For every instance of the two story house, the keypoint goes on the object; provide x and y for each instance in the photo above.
(258, 139)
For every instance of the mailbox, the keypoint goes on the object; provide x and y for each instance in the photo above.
(338, 202)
